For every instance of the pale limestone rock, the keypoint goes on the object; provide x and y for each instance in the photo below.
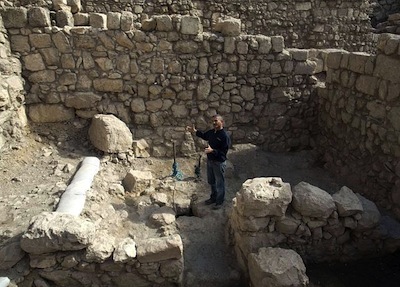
(186, 47)
(15, 17)
(125, 251)
(229, 27)
(113, 20)
(163, 23)
(110, 134)
(370, 216)
(64, 18)
(62, 43)
(347, 202)
(81, 19)
(299, 54)
(108, 85)
(277, 267)
(52, 231)
(158, 249)
(39, 17)
(51, 58)
(163, 216)
(191, 25)
(67, 61)
(312, 201)
(138, 181)
(278, 44)
(126, 20)
(61, 5)
(123, 40)
(75, 5)
(307, 67)
(263, 196)
(98, 20)
(229, 45)
(100, 248)
(140, 148)
(248, 224)
(387, 68)
(287, 225)
(42, 113)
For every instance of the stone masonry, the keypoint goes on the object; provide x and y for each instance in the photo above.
(164, 72)
(12, 110)
(159, 78)
(359, 119)
(303, 24)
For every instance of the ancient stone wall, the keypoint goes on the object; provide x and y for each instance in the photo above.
(166, 75)
(321, 227)
(69, 250)
(382, 9)
(12, 109)
(303, 24)
(359, 117)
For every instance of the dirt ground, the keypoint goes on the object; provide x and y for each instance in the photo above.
(34, 173)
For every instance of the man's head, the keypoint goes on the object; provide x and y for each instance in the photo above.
(218, 122)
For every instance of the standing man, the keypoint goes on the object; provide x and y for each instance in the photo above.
(218, 145)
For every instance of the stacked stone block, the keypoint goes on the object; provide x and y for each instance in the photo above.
(319, 226)
(303, 24)
(359, 117)
(12, 111)
(68, 250)
(166, 75)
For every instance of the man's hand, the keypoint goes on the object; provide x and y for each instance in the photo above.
(208, 149)
(191, 129)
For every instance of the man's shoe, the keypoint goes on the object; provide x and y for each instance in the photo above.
(217, 206)
(209, 201)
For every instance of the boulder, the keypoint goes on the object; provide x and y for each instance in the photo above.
(347, 202)
(277, 267)
(264, 196)
(110, 134)
(311, 201)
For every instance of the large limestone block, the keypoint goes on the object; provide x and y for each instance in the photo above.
(39, 17)
(125, 251)
(347, 202)
(110, 134)
(50, 113)
(100, 247)
(67, 5)
(138, 181)
(312, 201)
(159, 249)
(140, 148)
(163, 216)
(164, 23)
(82, 100)
(52, 231)
(387, 68)
(98, 20)
(264, 196)
(229, 27)
(277, 267)
(15, 17)
(370, 217)
(191, 25)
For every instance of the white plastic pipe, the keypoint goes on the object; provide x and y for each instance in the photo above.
(4, 281)
(73, 199)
